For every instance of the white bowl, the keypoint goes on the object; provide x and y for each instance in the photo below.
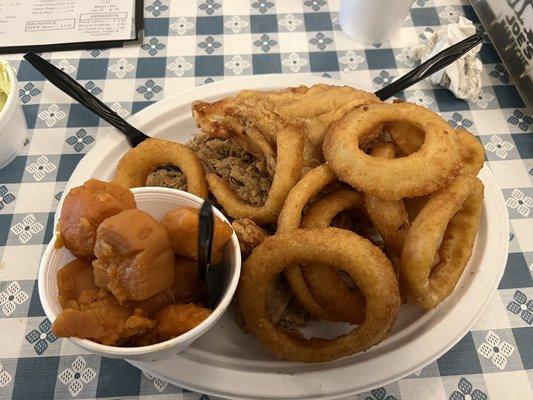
(13, 130)
(156, 201)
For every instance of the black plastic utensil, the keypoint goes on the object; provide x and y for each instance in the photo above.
(72, 88)
(429, 67)
(69, 86)
(212, 275)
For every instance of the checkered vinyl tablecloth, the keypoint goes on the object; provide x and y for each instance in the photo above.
(191, 43)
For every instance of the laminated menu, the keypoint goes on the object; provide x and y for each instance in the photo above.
(40, 25)
(509, 24)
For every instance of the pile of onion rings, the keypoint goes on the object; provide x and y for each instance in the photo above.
(135, 166)
(408, 175)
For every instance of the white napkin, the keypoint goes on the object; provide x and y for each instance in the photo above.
(462, 77)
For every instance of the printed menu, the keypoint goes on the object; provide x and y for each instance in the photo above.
(66, 24)
(509, 24)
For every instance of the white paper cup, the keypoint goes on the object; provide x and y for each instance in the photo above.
(156, 201)
(13, 130)
(371, 21)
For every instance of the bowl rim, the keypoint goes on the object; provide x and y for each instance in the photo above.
(196, 332)
(6, 111)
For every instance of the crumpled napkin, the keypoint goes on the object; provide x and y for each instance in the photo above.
(462, 77)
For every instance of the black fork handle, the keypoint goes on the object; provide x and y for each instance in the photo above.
(69, 86)
(429, 67)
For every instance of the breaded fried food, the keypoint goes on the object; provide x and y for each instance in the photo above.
(84, 208)
(250, 235)
(409, 139)
(252, 119)
(389, 217)
(289, 148)
(134, 258)
(341, 249)
(138, 162)
(440, 241)
(433, 166)
(248, 175)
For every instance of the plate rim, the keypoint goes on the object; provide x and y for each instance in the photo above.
(265, 82)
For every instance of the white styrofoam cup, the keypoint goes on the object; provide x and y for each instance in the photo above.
(371, 21)
(156, 201)
(13, 130)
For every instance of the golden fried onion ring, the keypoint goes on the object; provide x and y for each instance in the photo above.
(323, 281)
(343, 250)
(289, 143)
(389, 217)
(472, 153)
(431, 167)
(290, 218)
(445, 229)
(138, 162)
(409, 140)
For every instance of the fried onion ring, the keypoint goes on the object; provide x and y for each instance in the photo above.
(409, 140)
(407, 137)
(290, 218)
(389, 217)
(343, 250)
(431, 167)
(289, 142)
(323, 281)
(138, 162)
(472, 153)
(445, 229)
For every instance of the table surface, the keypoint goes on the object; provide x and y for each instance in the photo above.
(191, 43)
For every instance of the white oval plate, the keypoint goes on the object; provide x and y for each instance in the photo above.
(227, 363)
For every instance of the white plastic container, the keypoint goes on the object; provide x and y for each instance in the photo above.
(13, 130)
(156, 201)
(371, 21)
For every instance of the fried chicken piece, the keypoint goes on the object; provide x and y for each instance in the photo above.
(252, 118)
(250, 235)
(176, 319)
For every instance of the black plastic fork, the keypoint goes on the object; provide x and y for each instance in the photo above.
(72, 88)
(212, 275)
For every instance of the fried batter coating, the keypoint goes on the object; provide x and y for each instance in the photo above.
(252, 119)
(135, 166)
(249, 234)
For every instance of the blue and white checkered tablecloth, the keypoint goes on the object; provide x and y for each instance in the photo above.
(190, 43)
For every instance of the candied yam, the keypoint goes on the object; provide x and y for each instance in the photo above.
(84, 208)
(134, 258)
(187, 288)
(182, 224)
(176, 319)
(75, 281)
